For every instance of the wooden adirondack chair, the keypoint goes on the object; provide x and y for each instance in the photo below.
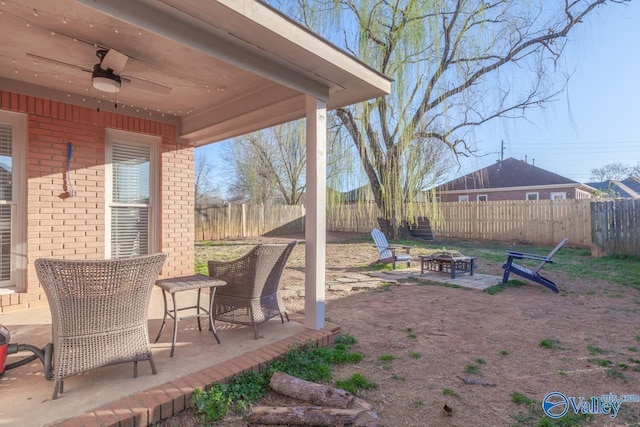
(388, 253)
(533, 275)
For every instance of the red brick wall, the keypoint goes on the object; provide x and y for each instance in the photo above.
(73, 227)
(493, 196)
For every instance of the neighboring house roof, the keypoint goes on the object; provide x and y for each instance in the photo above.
(506, 174)
(628, 188)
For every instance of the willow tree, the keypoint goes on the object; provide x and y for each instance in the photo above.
(456, 64)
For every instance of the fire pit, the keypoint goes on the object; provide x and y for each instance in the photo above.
(447, 262)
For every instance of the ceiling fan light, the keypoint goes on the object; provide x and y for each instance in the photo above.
(105, 80)
(105, 84)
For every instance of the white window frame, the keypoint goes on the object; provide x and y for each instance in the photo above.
(526, 197)
(482, 198)
(153, 142)
(18, 122)
(562, 195)
(464, 198)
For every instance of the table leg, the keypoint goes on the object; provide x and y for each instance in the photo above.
(452, 266)
(471, 273)
(198, 310)
(164, 317)
(212, 326)
(175, 324)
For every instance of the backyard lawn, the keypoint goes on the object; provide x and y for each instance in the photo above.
(513, 345)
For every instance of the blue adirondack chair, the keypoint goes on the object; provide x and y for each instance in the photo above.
(388, 253)
(531, 274)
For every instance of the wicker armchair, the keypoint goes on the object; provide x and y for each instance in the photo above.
(252, 294)
(99, 312)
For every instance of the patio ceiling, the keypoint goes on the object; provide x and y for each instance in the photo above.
(216, 69)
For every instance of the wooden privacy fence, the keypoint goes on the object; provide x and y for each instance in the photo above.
(535, 221)
(539, 222)
(217, 222)
(615, 228)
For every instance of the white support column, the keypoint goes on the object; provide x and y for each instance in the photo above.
(316, 220)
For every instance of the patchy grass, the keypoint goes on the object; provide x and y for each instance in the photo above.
(600, 362)
(549, 343)
(307, 362)
(356, 383)
(520, 399)
(496, 289)
(386, 358)
(593, 350)
(449, 392)
(470, 368)
(535, 416)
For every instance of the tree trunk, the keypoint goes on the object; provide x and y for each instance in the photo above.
(312, 416)
(317, 394)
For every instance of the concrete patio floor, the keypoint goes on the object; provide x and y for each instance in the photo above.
(110, 396)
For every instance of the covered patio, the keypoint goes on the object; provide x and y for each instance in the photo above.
(112, 396)
(180, 74)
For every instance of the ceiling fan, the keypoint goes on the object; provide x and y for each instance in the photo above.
(106, 75)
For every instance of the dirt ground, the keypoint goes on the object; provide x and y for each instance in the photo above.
(441, 335)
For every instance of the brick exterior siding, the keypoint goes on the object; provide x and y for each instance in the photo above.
(74, 227)
(494, 195)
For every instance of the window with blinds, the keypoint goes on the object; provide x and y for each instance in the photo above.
(130, 199)
(6, 205)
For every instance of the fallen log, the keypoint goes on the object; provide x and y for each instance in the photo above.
(316, 394)
(477, 382)
(312, 416)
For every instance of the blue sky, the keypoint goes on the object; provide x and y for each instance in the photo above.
(593, 123)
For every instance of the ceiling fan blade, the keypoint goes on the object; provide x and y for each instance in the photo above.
(115, 61)
(146, 85)
(55, 61)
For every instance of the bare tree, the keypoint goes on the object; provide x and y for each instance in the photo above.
(612, 171)
(205, 190)
(270, 165)
(456, 65)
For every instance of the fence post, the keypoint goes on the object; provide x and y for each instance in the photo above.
(244, 220)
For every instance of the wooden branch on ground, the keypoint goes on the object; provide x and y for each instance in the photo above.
(330, 406)
(316, 394)
(477, 382)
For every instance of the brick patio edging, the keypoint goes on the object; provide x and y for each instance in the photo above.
(158, 403)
